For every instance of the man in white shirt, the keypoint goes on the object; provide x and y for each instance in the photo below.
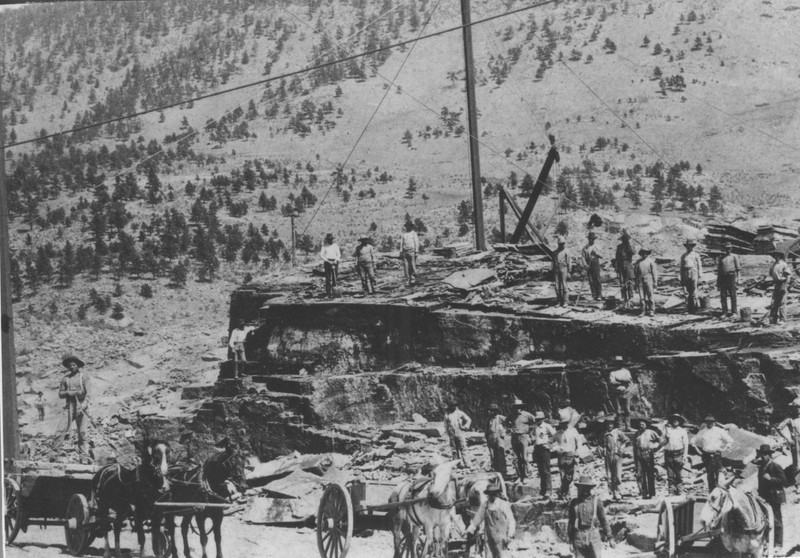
(591, 257)
(236, 342)
(569, 442)
(543, 436)
(456, 422)
(562, 265)
(676, 447)
(409, 246)
(780, 273)
(645, 445)
(331, 256)
(711, 441)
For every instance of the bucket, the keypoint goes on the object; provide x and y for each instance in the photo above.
(610, 303)
(703, 302)
(745, 313)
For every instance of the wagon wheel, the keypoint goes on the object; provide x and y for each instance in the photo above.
(334, 522)
(769, 540)
(76, 525)
(665, 533)
(793, 256)
(12, 509)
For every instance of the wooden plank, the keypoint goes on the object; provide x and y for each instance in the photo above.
(192, 505)
(700, 535)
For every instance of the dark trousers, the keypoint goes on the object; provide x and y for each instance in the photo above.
(588, 543)
(646, 473)
(331, 273)
(497, 455)
(777, 312)
(622, 406)
(541, 456)
(409, 259)
(594, 280)
(366, 271)
(673, 463)
(566, 467)
(778, 516)
(713, 463)
(520, 446)
(627, 280)
(689, 281)
(561, 280)
(727, 289)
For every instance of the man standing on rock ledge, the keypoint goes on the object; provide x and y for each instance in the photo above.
(676, 448)
(727, 276)
(712, 441)
(569, 443)
(562, 264)
(495, 439)
(543, 436)
(456, 422)
(691, 271)
(73, 391)
(520, 423)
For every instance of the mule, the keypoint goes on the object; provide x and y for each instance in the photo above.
(220, 479)
(132, 491)
(430, 513)
(742, 517)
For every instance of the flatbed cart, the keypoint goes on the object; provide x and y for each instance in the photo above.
(680, 534)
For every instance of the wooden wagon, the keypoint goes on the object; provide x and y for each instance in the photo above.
(680, 534)
(340, 505)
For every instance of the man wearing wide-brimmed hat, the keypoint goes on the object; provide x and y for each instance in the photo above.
(727, 277)
(711, 440)
(645, 444)
(409, 247)
(646, 280)
(73, 391)
(771, 483)
(498, 520)
(543, 437)
(520, 423)
(365, 264)
(495, 439)
(331, 256)
(676, 448)
(587, 526)
(789, 429)
(691, 270)
(591, 256)
(562, 265)
(614, 442)
(569, 444)
(623, 264)
(621, 388)
(780, 273)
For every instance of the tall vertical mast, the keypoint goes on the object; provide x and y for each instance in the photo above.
(474, 155)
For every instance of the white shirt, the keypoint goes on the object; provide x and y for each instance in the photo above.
(568, 440)
(712, 440)
(330, 253)
(675, 439)
(409, 241)
(239, 335)
(780, 271)
(591, 252)
(543, 434)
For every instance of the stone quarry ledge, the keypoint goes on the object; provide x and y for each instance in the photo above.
(369, 334)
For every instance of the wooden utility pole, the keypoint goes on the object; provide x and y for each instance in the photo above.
(472, 117)
(9, 384)
(292, 216)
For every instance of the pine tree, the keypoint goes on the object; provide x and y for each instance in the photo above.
(715, 200)
(153, 186)
(263, 201)
(66, 268)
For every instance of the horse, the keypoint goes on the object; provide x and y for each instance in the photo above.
(220, 479)
(472, 489)
(742, 516)
(119, 488)
(429, 507)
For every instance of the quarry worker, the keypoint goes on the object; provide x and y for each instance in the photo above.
(495, 439)
(543, 437)
(569, 444)
(591, 256)
(331, 256)
(646, 273)
(365, 264)
(587, 526)
(520, 423)
(645, 444)
(676, 449)
(620, 383)
(75, 395)
(613, 449)
(691, 270)
(623, 264)
(498, 520)
(456, 422)
(789, 429)
(727, 277)
(409, 247)
(711, 440)
(39, 404)
(771, 482)
(562, 264)
(236, 343)
(780, 273)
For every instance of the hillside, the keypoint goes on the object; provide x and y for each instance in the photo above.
(667, 115)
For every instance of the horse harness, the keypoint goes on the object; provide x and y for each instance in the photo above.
(434, 502)
(756, 512)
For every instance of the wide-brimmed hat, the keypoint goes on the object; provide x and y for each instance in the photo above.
(644, 251)
(72, 358)
(329, 236)
(710, 418)
(678, 417)
(494, 486)
(517, 402)
(539, 415)
(585, 480)
(365, 239)
(764, 449)
(591, 235)
(494, 407)
(636, 421)
(690, 242)
(619, 358)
